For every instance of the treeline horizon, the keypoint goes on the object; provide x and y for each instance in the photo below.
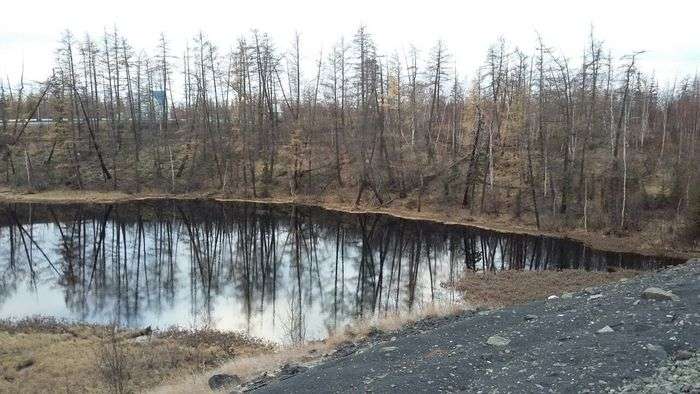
(591, 142)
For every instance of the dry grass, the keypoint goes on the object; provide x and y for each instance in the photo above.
(45, 355)
(250, 367)
(506, 288)
(390, 323)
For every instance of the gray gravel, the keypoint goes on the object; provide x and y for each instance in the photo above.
(617, 341)
(676, 375)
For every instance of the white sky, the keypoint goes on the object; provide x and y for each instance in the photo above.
(668, 30)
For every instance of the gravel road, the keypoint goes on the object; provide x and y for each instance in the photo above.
(604, 339)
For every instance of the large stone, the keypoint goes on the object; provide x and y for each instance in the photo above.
(683, 355)
(605, 330)
(498, 341)
(289, 370)
(657, 350)
(223, 380)
(24, 363)
(654, 293)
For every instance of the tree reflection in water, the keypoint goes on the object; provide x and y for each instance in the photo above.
(284, 273)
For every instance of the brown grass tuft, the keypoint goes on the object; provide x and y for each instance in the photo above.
(47, 355)
(506, 288)
(250, 367)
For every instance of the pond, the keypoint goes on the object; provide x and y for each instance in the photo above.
(280, 272)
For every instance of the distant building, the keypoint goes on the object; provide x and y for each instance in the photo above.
(159, 96)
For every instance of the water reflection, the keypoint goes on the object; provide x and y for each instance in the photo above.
(280, 272)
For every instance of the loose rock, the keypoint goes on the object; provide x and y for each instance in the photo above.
(673, 376)
(683, 355)
(605, 330)
(25, 363)
(656, 349)
(290, 370)
(499, 341)
(654, 293)
(223, 380)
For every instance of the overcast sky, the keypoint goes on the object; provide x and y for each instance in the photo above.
(668, 30)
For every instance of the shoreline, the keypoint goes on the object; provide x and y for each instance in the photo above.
(501, 224)
(364, 336)
(529, 346)
(255, 361)
(38, 348)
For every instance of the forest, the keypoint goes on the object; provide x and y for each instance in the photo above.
(593, 143)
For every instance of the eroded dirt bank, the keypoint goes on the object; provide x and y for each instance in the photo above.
(636, 242)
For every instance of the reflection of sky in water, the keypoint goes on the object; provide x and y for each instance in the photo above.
(228, 309)
(237, 299)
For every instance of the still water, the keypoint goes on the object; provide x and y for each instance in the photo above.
(283, 273)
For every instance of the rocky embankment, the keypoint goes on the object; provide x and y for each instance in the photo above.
(635, 335)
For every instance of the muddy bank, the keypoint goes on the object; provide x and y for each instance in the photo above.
(638, 242)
